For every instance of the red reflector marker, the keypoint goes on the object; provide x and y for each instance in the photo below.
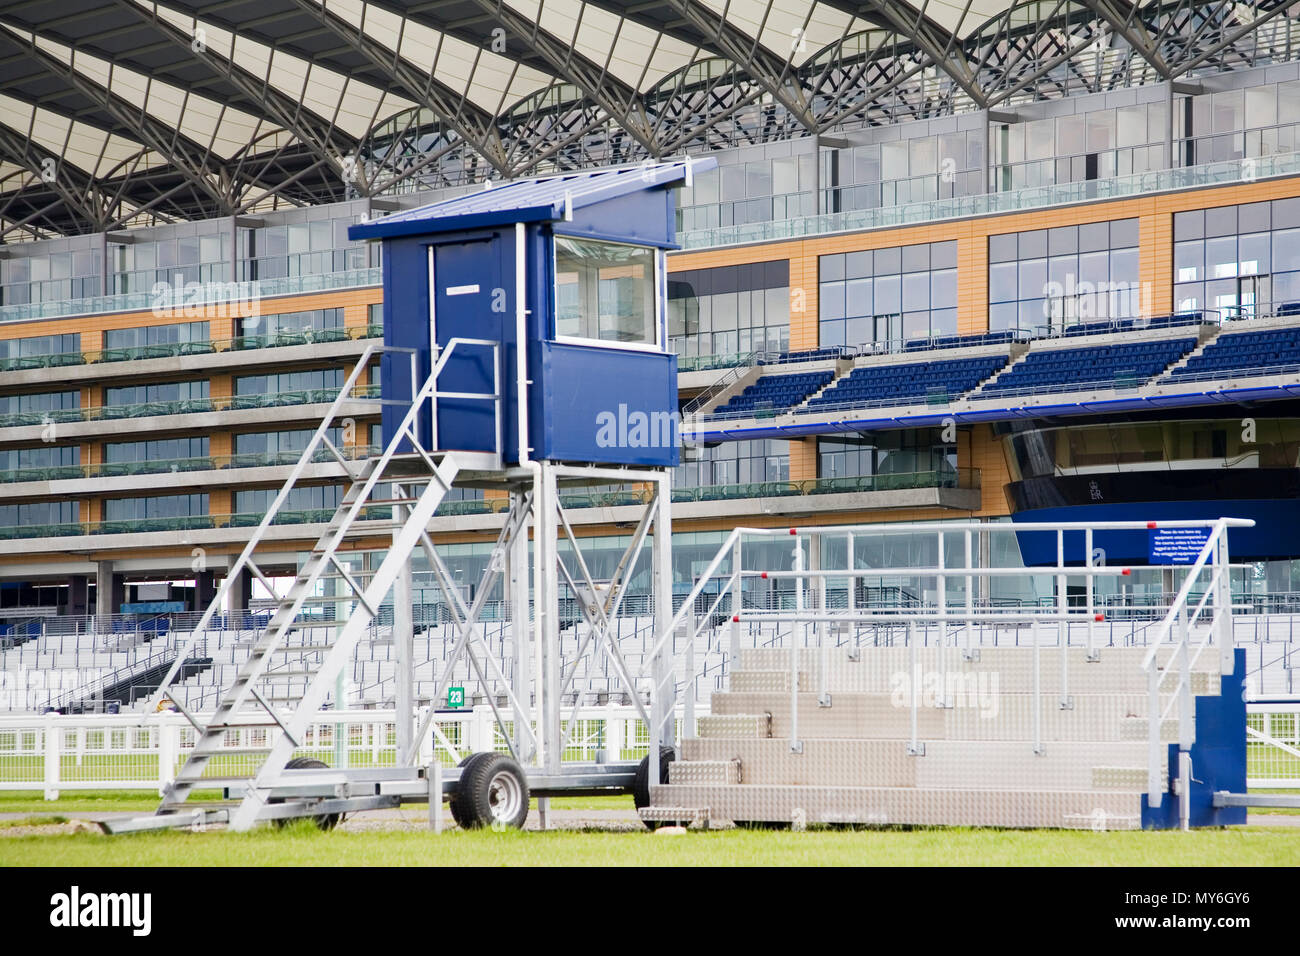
(794, 531)
(763, 575)
(1126, 572)
(1151, 524)
(735, 619)
(1099, 617)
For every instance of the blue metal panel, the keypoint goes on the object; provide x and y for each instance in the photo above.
(606, 405)
(1218, 758)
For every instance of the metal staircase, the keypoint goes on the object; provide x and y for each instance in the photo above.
(247, 742)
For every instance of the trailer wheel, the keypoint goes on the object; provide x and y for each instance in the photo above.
(323, 821)
(493, 791)
(641, 782)
(455, 803)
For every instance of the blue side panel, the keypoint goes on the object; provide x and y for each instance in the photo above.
(614, 406)
(406, 325)
(1272, 537)
(1218, 757)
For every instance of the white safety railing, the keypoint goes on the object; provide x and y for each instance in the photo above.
(1273, 745)
(53, 753)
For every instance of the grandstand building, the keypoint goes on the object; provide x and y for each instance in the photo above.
(991, 260)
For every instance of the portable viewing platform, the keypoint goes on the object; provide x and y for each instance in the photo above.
(525, 332)
(524, 327)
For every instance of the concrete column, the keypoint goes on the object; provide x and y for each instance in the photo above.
(110, 589)
(78, 594)
(205, 587)
(240, 593)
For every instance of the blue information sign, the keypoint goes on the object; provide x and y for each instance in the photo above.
(1177, 545)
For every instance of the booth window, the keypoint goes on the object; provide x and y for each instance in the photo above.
(605, 291)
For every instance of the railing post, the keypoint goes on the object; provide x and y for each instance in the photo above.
(736, 601)
(1223, 600)
(915, 748)
(941, 600)
(1155, 779)
(168, 748)
(53, 755)
(1063, 623)
(796, 745)
(1186, 727)
(969, 654)
(1038, 699)
(1090, 599)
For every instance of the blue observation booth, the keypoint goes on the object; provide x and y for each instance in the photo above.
(571, 269)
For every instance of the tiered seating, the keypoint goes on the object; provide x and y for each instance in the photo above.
(1097, 366)
(774, 393)
(1244, 353)
(874, 384)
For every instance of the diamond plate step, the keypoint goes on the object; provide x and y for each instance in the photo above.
(682, 816)
(704, 772)
(1137, 728)
(735, 725)
(766, 682)
(1119, 778)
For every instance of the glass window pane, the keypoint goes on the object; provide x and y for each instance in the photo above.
(605, 291)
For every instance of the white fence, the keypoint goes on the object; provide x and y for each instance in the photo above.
(53, 752)
(1273, 745)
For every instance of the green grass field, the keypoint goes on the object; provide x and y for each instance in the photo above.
(303, 845)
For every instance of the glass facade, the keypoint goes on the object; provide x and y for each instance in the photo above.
(301, 248)
(38, 402)
(301, 498)
(730, 310)
(753, 189)
(301, 381)
(194, 391)
(1099, 143)
(736, 462)
(1238, 262)
(161, 506)
(41, 456)
(907, 451)
(291, 322)
(888, 296)
(40, 345)
(39, 513)
(159, 449)
(1049, 279)
(181, 333)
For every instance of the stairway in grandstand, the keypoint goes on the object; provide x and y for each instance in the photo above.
(978, 766)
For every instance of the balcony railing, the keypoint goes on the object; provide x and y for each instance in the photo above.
(146, 301)
(180, 523)
(205, 347)
(189, 406)
(116, 469)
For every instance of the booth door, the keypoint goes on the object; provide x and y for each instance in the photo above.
(466, 277)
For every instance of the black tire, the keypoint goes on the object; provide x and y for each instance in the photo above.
(493, 792)
(459, 810)
(641, 782)
(323, 821)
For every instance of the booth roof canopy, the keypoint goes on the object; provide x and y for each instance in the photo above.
(528, 200)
